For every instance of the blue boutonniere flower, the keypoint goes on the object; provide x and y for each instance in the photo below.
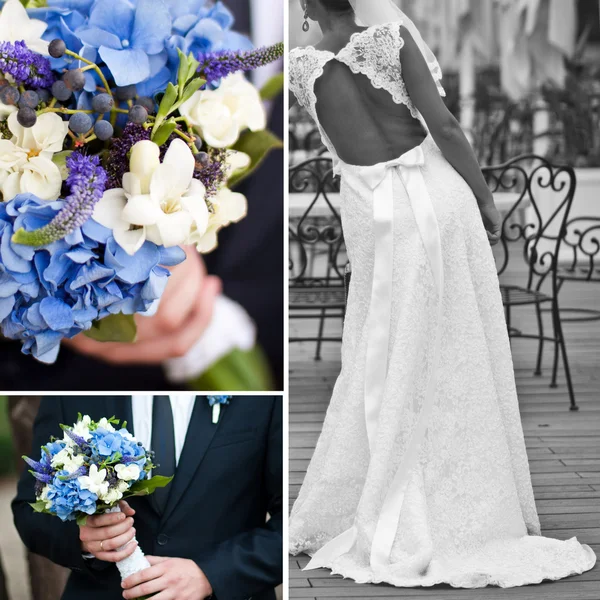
(215, 402)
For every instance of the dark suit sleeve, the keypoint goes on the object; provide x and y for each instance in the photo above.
(44, 534)
(252, 562)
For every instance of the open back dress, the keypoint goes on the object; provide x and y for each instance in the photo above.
(420, 475)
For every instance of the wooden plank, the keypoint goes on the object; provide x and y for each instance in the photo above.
(563, 449)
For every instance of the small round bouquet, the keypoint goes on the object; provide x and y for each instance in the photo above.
(89, 471)
(124, 127)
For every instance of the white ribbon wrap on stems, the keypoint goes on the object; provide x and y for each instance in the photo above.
(380, 179)
(134, 563)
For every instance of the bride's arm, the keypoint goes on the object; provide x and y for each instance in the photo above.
(444, 128)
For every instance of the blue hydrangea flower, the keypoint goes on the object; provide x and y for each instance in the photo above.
(201, 27)
(106, 443)
(58, 290)
(67, 498)
(130, 38)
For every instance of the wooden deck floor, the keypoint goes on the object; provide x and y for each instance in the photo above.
(563, 449)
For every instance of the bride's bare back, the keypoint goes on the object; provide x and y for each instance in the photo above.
(364, 123)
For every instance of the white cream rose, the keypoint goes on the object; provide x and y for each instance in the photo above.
(220, 115)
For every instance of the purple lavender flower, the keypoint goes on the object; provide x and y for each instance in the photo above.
(214, 174)
(216, 65)
(87, 181)
(76, 438)
(26, 67)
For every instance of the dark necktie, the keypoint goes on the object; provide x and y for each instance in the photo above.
(241, 13)
(163, 444)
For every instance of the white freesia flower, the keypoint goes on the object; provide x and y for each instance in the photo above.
(66, 460)
(122, 486)
(128, 472)
(95, 482)
(6, 110)
(221, 115)
(229, 207)
(103, 423)
(26, 159)
(15, 25)
(112, 496)
(159, 202)
(82, 429)
(44, 496)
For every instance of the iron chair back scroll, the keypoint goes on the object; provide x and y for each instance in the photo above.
(316, 251)
(532, 244)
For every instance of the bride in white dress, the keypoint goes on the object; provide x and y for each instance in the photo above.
(420, 475)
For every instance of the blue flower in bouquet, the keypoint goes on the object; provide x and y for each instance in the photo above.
(200, 27)
(130, 38)
(66, 497)
(106, 443)
(57, 290)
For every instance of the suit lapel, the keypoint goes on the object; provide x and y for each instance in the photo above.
(200, 433)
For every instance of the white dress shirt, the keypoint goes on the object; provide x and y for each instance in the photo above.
(182, 406)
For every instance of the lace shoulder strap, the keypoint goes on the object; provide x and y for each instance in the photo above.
(375, 52)
(305, 67)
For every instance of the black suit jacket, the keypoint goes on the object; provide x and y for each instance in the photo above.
(249, 260)
(228, 478)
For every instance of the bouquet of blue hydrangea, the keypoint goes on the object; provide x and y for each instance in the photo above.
(124, 127)
(89, 471)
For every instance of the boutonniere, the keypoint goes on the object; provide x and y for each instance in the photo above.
(215, 402)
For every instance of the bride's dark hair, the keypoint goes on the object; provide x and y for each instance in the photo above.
(337, 6)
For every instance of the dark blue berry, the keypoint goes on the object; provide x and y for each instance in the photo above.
(9, 95)
(80, 123)
(127, 92)
(26, 116)
(102, 102)
(60, 90)
(29, 98)
(202, 159)
(147, 103)
(138, 114)
(74, 79)
(43, 95)
(56, 48)
(103, 130)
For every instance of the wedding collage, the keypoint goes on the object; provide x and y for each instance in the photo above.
(299, 299)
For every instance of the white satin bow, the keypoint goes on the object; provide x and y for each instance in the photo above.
(380, 180)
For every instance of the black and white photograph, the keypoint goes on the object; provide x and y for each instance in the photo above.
(444, 299)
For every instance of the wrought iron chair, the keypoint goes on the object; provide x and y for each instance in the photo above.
(581, 261)
(546, 192)
(317, 251)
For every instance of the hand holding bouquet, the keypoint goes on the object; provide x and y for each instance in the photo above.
(88, 472)
(124, 127)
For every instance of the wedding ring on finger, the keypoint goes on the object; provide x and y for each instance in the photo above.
(102, 546)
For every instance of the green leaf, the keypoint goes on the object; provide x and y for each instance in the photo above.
(193, 65)
(162, 134)
(190, 89)
(182, 72)
(257, 145)
(166, 104)
(114, 328)
(148, 486)
(81, 519)
(60, 160)
(273, 87)
(39, 506)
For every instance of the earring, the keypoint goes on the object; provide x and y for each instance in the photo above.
(305, 25)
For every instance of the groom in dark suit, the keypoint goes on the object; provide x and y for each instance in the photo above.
(208, 534)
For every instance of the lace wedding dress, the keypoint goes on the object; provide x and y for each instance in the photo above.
(420, 475)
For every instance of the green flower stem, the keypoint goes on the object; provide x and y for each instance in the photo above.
(187, 138)
(93, 66)
(52, 102)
